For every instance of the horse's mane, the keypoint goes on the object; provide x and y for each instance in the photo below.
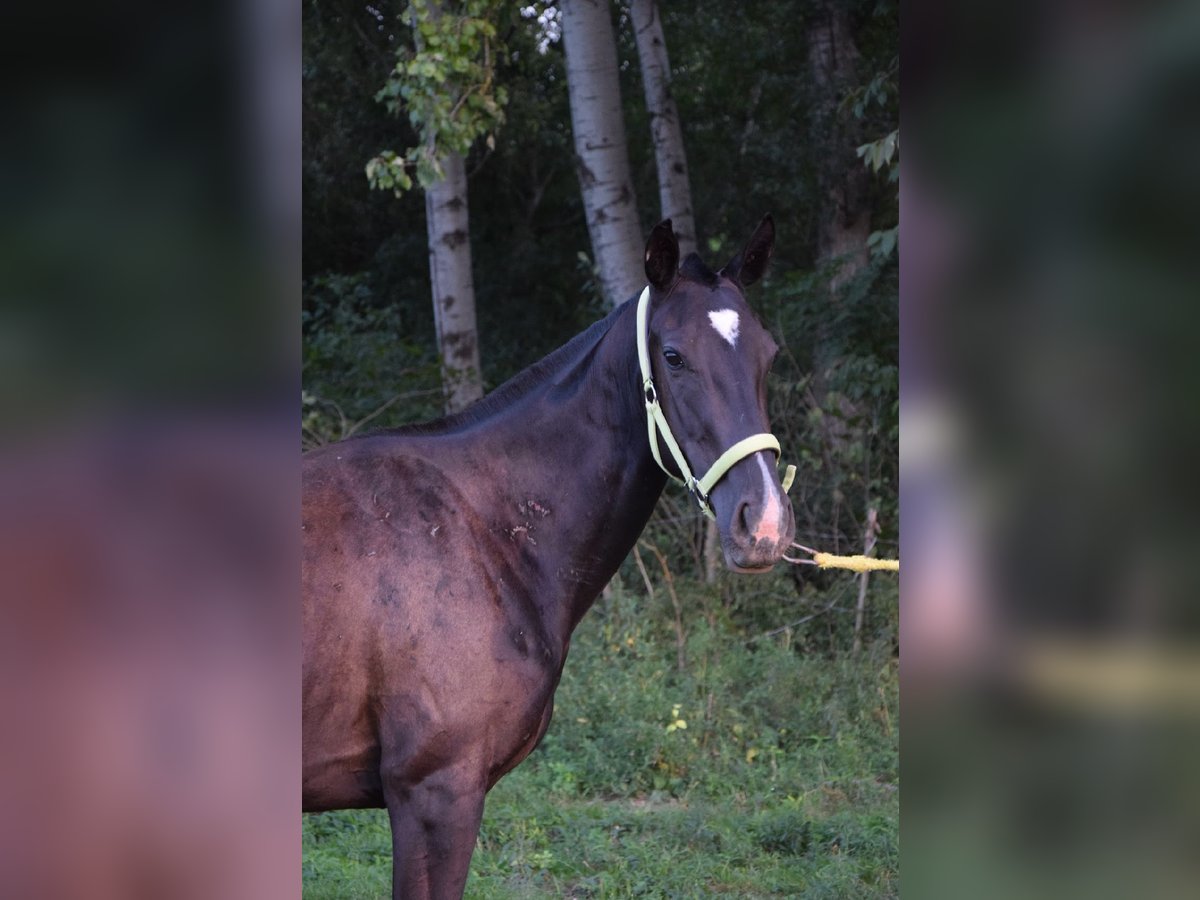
(697, 270)
(520, 384)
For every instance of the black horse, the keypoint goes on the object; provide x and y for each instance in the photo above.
(445, 566)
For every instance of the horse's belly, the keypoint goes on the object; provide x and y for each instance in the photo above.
(341, 753)
(342, 784)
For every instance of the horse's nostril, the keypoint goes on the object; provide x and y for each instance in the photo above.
(743, 519)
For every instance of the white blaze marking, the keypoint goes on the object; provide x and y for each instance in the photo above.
(725, 321)
(768, 528)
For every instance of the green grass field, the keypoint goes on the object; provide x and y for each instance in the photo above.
(784, 780)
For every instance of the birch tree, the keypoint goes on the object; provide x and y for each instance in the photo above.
(674, 190)
(444, 83)
(452, 284)
(602, 158)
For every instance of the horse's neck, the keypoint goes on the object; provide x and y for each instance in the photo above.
(585, 484)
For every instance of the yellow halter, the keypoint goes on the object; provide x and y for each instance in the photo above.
(656, 423)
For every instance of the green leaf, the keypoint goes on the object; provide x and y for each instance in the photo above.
(453, 58)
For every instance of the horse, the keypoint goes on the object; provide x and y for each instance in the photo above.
(446, 565)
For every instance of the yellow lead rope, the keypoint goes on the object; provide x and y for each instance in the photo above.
(853, 563)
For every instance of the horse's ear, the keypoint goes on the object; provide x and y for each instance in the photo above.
(748, 266)
(662, 255)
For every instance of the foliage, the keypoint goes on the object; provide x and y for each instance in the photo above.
(879, 154)
(357, 369)
(849, 439)
(878, 102)
(882, 91)
(784, 781)
(445, 84)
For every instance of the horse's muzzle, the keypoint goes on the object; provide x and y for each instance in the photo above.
(760, 527)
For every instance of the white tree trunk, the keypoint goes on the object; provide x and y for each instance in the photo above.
(600, 148)
(674, 191)
(453, 288)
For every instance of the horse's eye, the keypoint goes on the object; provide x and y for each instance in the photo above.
(674, 360)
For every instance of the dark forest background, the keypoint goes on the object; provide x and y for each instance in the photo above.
(761, 135)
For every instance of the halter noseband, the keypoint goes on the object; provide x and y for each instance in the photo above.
(656, 423)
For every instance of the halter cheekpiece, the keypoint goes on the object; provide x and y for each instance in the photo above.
(656, 424)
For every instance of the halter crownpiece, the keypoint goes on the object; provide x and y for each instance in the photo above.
(656, 424)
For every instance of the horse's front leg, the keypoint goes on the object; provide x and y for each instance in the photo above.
(435, 822)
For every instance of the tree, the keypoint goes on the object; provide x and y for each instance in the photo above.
(844, 214)
(452, 284)
(445, 84)
(600, 148)
(674, 191)
(843, 183)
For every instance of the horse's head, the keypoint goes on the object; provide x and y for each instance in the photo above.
(709, 356)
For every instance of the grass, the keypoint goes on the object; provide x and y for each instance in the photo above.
(782, 782)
